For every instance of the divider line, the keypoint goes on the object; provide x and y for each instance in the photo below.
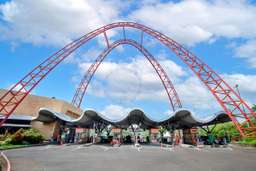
(7, 161)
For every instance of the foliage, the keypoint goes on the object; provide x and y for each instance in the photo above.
(14, 139)
(230, 130)
(28, 136)
(221, 130)
(226, 128)
(18, 137)
(254, 108)
(33, 136)
(248, 141)
(162, 130)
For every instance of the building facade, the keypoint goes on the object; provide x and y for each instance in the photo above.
(32, 104)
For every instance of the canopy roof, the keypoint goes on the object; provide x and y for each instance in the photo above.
(18, 120)
(181, 118)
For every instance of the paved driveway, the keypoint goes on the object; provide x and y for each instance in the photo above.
(127, 157)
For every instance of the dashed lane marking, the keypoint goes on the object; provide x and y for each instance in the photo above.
(51, 147)
(78, 148)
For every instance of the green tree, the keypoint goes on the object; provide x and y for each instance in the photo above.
(254, 107)
(162, 130)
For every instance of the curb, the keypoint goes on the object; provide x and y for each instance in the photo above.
(242, 146)
(31, 145)
(8, 164)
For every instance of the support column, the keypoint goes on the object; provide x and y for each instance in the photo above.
(121, 135)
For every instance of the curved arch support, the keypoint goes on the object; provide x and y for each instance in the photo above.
(168, 85)
(237, 109)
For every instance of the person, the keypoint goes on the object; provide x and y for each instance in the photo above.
(210, 139)
(91, 139)
(63, 136)
(147, 139)
(177, 140)
(59, 139)
(138, 139)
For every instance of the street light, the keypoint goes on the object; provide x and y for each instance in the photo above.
(238, 92)
(236, 86)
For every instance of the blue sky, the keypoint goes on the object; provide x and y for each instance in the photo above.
(221, 33)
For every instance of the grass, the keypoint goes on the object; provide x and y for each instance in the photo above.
(248, 141)
(11, 146)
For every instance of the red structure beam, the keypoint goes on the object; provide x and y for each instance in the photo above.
(106, 38)
(169, 88)
(229, 100)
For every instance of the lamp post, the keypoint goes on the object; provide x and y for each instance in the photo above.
(236, 86)
(238, 92)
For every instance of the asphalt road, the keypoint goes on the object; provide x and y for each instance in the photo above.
(127, 158)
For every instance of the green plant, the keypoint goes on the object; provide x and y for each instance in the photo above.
(32, 136)
(17, 138)
(248, 141)
(28, 136)
(221, 130)
(162, 130)
(7, 141)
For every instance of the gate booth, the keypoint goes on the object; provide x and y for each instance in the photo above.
(117, 134)
(153, 133)
(82, 135)
(67, 134)
(91, 120)
(190, 136)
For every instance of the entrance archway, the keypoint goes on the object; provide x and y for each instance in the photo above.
(239, 112)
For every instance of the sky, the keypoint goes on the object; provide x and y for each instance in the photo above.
(220, 32)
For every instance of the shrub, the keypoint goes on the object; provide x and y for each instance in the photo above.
(7, 141)
(32, 136)
(248, 141)
(17, 138)
(29, 136)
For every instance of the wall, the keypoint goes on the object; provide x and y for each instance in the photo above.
(31, 105)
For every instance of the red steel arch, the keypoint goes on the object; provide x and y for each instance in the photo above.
(169, 88)
(239, 112)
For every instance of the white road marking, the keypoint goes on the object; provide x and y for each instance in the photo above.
(50, 147)
(139, 148)
(136, 147)
(167, 148)
(77, 148)
(104, 148)
(198, 149)
(229, 148)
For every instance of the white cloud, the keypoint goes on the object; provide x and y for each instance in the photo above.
(84, 56)
(55, 22)
(51, 22)
(193, 21)
(115, 111)
(188, 21)
(246, 85)
(195, 95)
(17, 88)
(247, 51)
(135, 80)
